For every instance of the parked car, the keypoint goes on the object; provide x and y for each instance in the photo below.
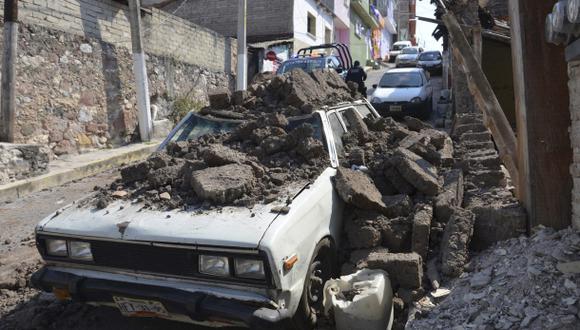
(335, 56)
(311, 63)
(403, 92)
(408, 57)
(218, 267)
(396, 50)
(431, 61)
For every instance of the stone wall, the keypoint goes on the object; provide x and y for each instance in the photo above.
(20, 161)
(75, 85)
(574, 86)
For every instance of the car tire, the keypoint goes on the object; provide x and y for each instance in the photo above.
(322, 267)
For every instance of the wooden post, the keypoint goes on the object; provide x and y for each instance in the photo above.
(542, 117)
(7, 104)
(494, 117)
(140, 72)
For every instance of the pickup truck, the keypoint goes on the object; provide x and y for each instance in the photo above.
(235, 266)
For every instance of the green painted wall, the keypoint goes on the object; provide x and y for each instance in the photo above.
(358, 46)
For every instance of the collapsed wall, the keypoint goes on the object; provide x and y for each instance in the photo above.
(498, 214)
(422, 202)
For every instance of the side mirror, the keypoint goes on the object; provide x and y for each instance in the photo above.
(375, 86)
(339, 70)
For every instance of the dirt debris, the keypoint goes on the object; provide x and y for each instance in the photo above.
(263, 150)
(516, 283)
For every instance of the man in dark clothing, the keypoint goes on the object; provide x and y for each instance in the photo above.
(358, 75)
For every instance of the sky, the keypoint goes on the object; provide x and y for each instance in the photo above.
(424, 29)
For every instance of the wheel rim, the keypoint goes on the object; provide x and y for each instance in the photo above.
(319, 274)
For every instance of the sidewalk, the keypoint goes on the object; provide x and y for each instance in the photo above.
(76, 167)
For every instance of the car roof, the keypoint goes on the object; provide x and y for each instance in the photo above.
(405, 70)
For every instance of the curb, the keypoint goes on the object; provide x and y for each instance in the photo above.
(25, 187)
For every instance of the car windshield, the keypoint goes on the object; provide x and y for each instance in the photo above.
(306, 64)
(435, 56)
(399, 47)
(410, 50)
(196, 126)
(401, 79)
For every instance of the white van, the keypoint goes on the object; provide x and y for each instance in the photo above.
(397, 48)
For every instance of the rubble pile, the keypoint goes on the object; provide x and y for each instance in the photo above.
(293, 94)
(406, 201)
(247, 166)
(420, 202)
(498, 214)
(528, 283)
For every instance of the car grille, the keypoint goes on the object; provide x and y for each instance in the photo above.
(145, 258)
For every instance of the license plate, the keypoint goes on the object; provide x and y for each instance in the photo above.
(395, 108)
(140, 307)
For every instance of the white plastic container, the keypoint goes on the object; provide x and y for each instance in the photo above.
(363, 300)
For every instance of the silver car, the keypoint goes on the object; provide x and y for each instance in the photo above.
(408, 57)
(403, 92)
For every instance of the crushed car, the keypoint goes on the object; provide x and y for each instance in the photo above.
(211, 229)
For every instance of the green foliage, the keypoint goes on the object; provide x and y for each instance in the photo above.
(183, 105)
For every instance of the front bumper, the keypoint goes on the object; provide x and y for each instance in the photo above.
(198, 306)
(420, 109)
(432, 68)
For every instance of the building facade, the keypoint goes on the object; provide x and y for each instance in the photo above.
(342, 21)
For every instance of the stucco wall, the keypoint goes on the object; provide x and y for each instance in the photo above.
(324, 21)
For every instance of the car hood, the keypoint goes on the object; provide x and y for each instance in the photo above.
(239, 227)
(407, 57)
(396, 94)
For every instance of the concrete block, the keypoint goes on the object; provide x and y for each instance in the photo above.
(421, 230)
(404, 269)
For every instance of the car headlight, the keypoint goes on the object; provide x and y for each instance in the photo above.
(81, 251)
(375, 100)
(56, 247)
(250, 268)
(416, 100)
(214, 265)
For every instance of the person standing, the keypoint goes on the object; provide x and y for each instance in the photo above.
(358, 75)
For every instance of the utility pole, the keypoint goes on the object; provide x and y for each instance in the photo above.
(140, 71)
(7, 104)
(242, 74)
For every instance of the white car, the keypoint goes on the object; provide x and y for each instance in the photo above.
(403, 92)
(235, 266)
(396, 50)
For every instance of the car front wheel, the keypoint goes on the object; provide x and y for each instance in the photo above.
(322, 267)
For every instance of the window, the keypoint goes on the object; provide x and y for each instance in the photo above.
(337, 131)
(401, 80)
(311, 24)
(327, 35)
